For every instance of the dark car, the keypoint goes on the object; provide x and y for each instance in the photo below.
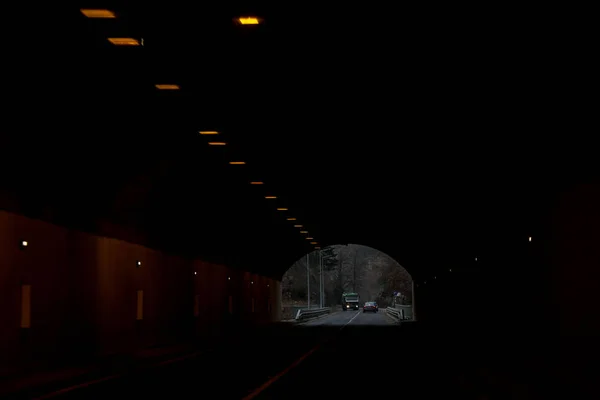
(370, 306)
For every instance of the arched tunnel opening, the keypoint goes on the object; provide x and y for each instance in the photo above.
(166, 171)
(341, 278)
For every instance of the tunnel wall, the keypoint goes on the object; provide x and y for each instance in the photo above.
(547, 287)
(69, 294)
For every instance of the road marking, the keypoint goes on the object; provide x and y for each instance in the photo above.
(352, 319)
(111, 377)
(75, 387)
(271, 381)
(274, 379)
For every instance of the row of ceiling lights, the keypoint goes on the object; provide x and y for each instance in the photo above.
(122, 41)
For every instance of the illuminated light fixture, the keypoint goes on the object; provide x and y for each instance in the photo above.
(303, 231)
(228, 278)
(270, 197)
(248, 20)
(309, 238)
(257, 183)
(297, 226)
(209, 132)
(317, 248)
(530, 238)
(237, 162)
(97, 13)
(124, 41)
(291, 219)
(282, 209)
(24, 243)
(139, 263)
(195, 273)
(217, 143)
(167, 87)
(313, 243)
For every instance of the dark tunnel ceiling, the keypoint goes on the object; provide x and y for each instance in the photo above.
(423, 135)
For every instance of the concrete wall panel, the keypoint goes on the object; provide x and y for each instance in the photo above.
(93, 295)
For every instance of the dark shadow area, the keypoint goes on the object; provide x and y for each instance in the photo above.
(416, 360)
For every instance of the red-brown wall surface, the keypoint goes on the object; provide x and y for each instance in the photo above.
(84, 292)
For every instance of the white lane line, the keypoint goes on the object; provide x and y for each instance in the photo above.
(274, 379)
(352, 319)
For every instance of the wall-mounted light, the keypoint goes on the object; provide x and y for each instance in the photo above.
(252, 282)
(23, 244)
(195, 273)
(530, 238)
(139, 264)
(228, 278)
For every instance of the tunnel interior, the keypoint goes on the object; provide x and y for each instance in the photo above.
(217, 154)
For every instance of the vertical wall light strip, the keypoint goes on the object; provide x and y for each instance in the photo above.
(140, 305)
(26, 306)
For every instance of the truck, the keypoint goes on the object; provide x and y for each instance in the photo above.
(350, 301)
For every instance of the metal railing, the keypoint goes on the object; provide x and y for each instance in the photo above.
(399, 314)
(306, 314)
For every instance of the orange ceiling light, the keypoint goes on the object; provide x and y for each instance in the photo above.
(304, 232)
(209, 132)
(257, 183)
(270, 197)
(167, 87)
(313, 243)
(249, 20)
(124, 41)
(291, 219)
(237, 162)
(309, 238)
(97, 13)
(282, 209)
(217, 143)
(297, 226)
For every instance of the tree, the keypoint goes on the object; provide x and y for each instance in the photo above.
(346, 268)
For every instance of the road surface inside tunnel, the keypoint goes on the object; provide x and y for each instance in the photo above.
(343, 354)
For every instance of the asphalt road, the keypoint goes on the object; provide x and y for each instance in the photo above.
(344, 354)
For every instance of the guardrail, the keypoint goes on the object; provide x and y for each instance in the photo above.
(401, 314)
(306, 314)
